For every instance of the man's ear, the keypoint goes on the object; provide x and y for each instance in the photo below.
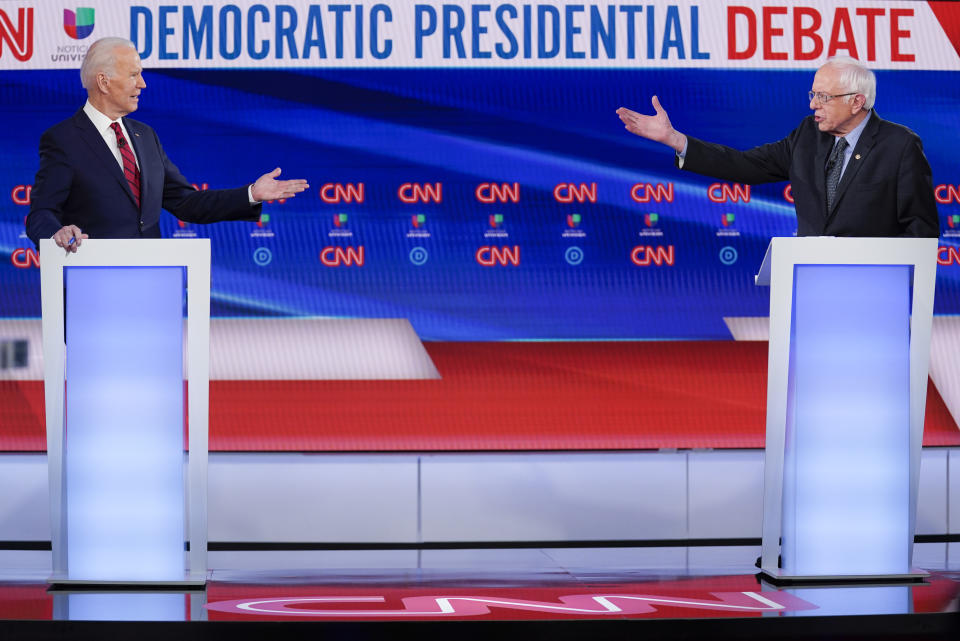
(859, 101)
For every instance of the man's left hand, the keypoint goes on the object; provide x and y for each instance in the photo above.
(268, 187)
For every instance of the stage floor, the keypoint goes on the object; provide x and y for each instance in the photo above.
(678, 587)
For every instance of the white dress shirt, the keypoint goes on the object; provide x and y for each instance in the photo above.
(852, 139)
(102, 123)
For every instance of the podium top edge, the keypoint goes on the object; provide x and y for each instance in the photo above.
(138, 252)
(827, 250)
(851, 240)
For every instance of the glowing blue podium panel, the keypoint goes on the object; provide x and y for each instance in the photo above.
(848, 454)
(124, 409)
(123, 496)
(849, 352)
(125, 606)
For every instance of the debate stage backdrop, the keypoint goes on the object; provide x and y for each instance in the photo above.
(467, 169)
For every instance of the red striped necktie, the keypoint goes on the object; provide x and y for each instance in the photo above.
(130, 169)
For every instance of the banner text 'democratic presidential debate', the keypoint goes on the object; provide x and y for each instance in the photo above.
(510, 34)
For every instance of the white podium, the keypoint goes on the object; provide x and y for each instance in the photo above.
(849, 354)
(114, 388)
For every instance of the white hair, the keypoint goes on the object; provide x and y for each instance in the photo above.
(855, 78)
(101, 58)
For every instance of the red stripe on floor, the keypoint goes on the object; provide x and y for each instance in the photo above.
(499, 396)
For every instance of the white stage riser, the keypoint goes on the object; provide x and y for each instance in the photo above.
(408, 498)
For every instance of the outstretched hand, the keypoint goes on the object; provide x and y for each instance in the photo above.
(268, 187)
(656, 127)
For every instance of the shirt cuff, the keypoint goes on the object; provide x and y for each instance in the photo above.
(257, 202)
(682, 154)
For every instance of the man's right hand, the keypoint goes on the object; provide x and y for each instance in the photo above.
(69, 237)
(656, 127)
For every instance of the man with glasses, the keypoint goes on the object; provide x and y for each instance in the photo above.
(851, 172)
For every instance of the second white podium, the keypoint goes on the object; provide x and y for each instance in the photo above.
(850, 323)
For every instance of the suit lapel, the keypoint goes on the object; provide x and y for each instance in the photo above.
(101, 152)
(824, 145)
(860, 153)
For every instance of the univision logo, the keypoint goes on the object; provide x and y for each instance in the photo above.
(78, 25)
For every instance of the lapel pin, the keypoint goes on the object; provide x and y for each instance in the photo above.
(857, 156)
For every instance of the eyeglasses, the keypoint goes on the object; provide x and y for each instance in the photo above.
(824, 98)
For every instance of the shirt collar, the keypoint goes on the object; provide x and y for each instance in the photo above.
(100, 120)
(854, 136)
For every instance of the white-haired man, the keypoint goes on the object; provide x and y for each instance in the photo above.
(851, 172)
(103, 175)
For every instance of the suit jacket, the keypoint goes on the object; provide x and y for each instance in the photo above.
(81, 183)
(886, 189)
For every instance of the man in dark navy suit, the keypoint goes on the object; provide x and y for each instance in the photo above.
(106, 176)
(851, 172)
